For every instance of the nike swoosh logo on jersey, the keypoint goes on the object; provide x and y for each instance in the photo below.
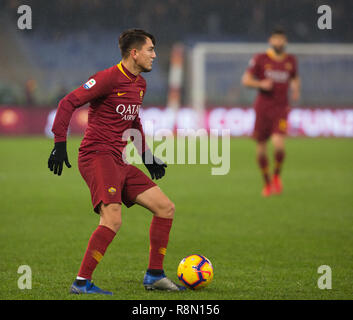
(121, 93)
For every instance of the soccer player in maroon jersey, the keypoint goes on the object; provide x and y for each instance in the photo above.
(115, 96)
(272, 73)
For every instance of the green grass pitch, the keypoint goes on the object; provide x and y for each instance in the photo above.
(260, 248)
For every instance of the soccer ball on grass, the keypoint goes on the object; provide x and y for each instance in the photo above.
(195, 271)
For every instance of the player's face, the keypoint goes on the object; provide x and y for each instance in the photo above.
(145, 56)
(278, 42)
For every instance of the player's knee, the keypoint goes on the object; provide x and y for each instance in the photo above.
(167, 210)
(278, 141)
(111, 216)
(116, 224)
(171, 210)
(261, 148)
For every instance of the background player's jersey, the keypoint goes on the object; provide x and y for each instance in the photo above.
(280, 71)
(115, 97)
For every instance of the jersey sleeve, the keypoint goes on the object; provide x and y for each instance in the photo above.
(96, 87)
(141, 146)
(254, 65)
(136, 124)
(294, 71)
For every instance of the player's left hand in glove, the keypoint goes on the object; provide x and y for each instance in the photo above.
(155, 166)
(57, 158)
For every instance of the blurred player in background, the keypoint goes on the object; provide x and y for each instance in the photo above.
(115, 96)
(272, 73)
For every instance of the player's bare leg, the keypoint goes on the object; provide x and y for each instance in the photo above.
(262, 160)
(110, 216)
(278, 141)
(163, 214)
(157, 202)
(109, 224)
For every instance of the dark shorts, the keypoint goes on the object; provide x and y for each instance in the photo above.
(110, 181)
(268, 123)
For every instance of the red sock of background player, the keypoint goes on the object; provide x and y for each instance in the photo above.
(279, 158)
(159, 237)
(263, 164)
(97, 245)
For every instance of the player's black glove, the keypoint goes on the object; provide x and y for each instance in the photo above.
(57, 158)
(155, 166)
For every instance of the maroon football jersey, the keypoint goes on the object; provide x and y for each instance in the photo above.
(280, 71)
(115, 96)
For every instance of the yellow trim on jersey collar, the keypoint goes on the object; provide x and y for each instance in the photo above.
(271, 53)
(120, 67)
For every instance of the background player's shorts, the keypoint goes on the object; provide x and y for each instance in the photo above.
(110, 181)
(270, 122)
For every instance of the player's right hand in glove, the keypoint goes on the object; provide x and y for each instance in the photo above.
(155, 166)
(57, 158)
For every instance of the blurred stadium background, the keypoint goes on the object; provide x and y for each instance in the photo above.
(71, 40)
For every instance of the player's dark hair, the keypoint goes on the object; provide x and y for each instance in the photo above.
(278, 31)
(133, 39)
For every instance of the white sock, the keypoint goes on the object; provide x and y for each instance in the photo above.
(80, 278)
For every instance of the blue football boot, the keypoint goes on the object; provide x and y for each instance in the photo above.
(87, 288)
(160, 282)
